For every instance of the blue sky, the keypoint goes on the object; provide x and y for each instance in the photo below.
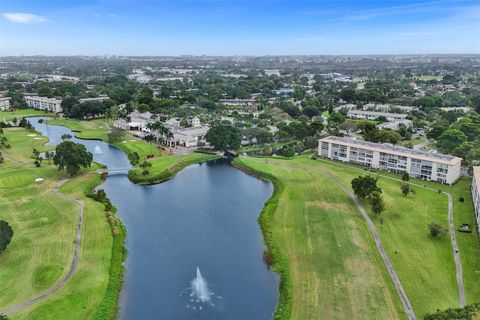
(216, 27)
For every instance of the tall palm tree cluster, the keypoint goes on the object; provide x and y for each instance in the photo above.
(162, 130)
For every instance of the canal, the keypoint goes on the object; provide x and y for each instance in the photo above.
(194, 244)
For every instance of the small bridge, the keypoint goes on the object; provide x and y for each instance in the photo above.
(114, 171)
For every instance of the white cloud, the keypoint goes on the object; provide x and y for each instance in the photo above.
(21, 17)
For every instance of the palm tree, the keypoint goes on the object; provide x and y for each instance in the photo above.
(160, 128)
(267, 152)
(66, 136)
(150, 138)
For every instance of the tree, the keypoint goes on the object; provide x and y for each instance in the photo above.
(405, 187)
(299, 147)
(4, 143)
(3, 316)
(450, 139)
(405, 176)
(267, 152)
(72, 157)
(145, 165)
(224, 137)
(436, 229)
(376, 199)
(6, 234)
(66, 136)
(365, 186)
(49, 156)
(134, 158)
(288, 152)
(116, 134)
(311, 143)
(149, 138)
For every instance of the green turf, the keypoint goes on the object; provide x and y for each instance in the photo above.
(425, 265)
(44, 228)
(98, 129)
(165, 167)
(335, 271)
(20, 113)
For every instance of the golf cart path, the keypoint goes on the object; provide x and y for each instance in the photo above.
(73, 264)
(451, 228)
(378, 243)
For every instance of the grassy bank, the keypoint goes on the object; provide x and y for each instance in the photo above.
(42, 247)
(318, 252)
(321, 247)
(164, 168)
(277, 260)
(97, 129)
(9, 115)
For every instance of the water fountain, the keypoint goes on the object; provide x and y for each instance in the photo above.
(199, 292)
(97, 150)
(200, 288)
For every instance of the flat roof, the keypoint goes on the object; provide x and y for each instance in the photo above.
(437, 157)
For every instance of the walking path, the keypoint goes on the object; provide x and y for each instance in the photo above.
(421, 145)
(73, 264)
(451, 227)
(388, 264)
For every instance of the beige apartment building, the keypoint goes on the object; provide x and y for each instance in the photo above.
(44, 103)
(441, 168)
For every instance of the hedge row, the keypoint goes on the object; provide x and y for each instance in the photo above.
(469, 312)
(279, 262)
(108, 308)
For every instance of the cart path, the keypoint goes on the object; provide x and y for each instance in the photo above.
(378, 243)
(451, 228)
(73, 264)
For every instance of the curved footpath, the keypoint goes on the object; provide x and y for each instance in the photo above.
(378, 243)
(451, 228)
(73, 264)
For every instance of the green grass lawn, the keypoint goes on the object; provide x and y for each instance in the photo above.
(98, 129)
(425, 265)
(20, 113)
(165, 167)
(335, 271)
(44, 228)
(273, 146)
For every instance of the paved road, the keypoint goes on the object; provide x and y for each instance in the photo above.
(421, 145)
(456, 255)
(73, 264)
(451, 227)
(388, 264)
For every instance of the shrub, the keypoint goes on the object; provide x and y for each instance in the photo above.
(461, 199)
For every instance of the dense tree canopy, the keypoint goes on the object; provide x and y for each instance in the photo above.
(224, 137)
(71, 157)
(364, 186)
(6, 234)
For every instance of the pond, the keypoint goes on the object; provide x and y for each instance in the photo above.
(194, 244)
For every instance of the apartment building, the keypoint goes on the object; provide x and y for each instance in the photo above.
(4, 103)
(428, 166)
(372, 115)
(44, 103)
(476, 194)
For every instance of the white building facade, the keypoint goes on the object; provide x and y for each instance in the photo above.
(373, 115)
(4, 103)
(476, 194)
(44, 103)
(428, 166)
